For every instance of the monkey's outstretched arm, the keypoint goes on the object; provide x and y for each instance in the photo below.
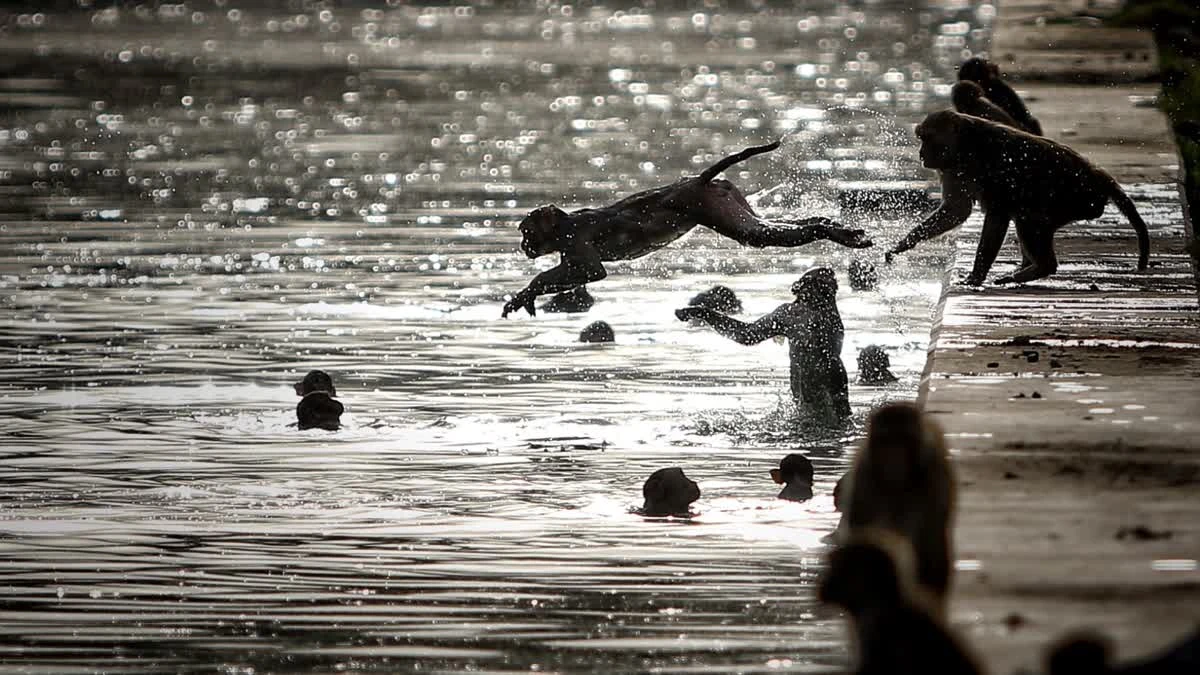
(579, 266)
(739, 331)
(957, 202)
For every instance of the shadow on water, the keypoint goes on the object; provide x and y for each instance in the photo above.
(202, 202)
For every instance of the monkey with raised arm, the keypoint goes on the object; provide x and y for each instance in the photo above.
(987, 75)
(1037, 183)
(814, 330)
(901, 481)
(649, 220)
(896, 628)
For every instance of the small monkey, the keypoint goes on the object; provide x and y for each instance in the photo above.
(863, 275)
(318, 409)
(668, 492)
(987, 75)
(874, 365)
(597, 331)
(901, 480)
(968, 98)
(719, 299)
(897, 629)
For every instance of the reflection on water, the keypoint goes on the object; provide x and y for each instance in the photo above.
(203, 201)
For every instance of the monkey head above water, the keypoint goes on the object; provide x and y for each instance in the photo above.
(719, 299)
(573, 301)
(873, 366)
(902, 481)
(987, 75)
(795, 474)
(863, 275)
(318, 409)
(668, 492)
(814, 331)
(1040, 185)
(649, 220)
(597, 331)
(897, 629)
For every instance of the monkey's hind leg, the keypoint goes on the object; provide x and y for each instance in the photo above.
(1037, 254)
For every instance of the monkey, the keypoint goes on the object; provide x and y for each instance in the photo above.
(901, 480)
(987, 75)
(814, 331)
(873, 366)
(318, 409)
(1038, 183)
(795, 474)
(668, 492)
(1090, 653)
(896, 628)
(574, 301)
(863, 276)
(968, 98)
(597, 331)
(649, 220)
(719, 299)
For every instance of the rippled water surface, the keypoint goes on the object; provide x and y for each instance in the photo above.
(200, 202)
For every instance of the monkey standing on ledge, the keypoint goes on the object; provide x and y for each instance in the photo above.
(1041, 185)
(987, 75)
(901, 481)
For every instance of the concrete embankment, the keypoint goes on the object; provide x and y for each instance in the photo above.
(1072, 404)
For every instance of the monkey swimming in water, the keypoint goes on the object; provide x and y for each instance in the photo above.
(814, 331)
(649, 220)
(318, 409)
(668, 492)
(795, 474)
(873, 366)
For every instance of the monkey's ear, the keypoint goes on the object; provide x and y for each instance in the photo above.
(776, 476)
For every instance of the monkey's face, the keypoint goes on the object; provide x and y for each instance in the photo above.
(939, 140)
(540, 230)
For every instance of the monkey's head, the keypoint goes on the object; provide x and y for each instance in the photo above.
(873, 365)
(1082, 652)
(978, 69)
(668, 492)
(863, 275)
(719, 299)
(965, 94)
(540, 230)
(903, 442)
(597, 331)
(873, 569)
(939, 133)
(815, 285)
(793, 468)
(316, 380)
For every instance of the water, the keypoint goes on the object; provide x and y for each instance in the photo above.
(202, 202)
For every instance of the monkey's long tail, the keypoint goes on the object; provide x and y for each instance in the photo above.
(1124, 203)
(714, 170)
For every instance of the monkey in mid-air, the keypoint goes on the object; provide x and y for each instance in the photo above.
(649, 220)
(987, 75)
(896, 629)
(901, 481)
(1037, 183)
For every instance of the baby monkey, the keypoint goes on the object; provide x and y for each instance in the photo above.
(901, 481)
(897, 630)
(318, 409)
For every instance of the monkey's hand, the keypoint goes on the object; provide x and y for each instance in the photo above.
(689, 313)
(524, 300)
(887, 257)
(849, 237)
